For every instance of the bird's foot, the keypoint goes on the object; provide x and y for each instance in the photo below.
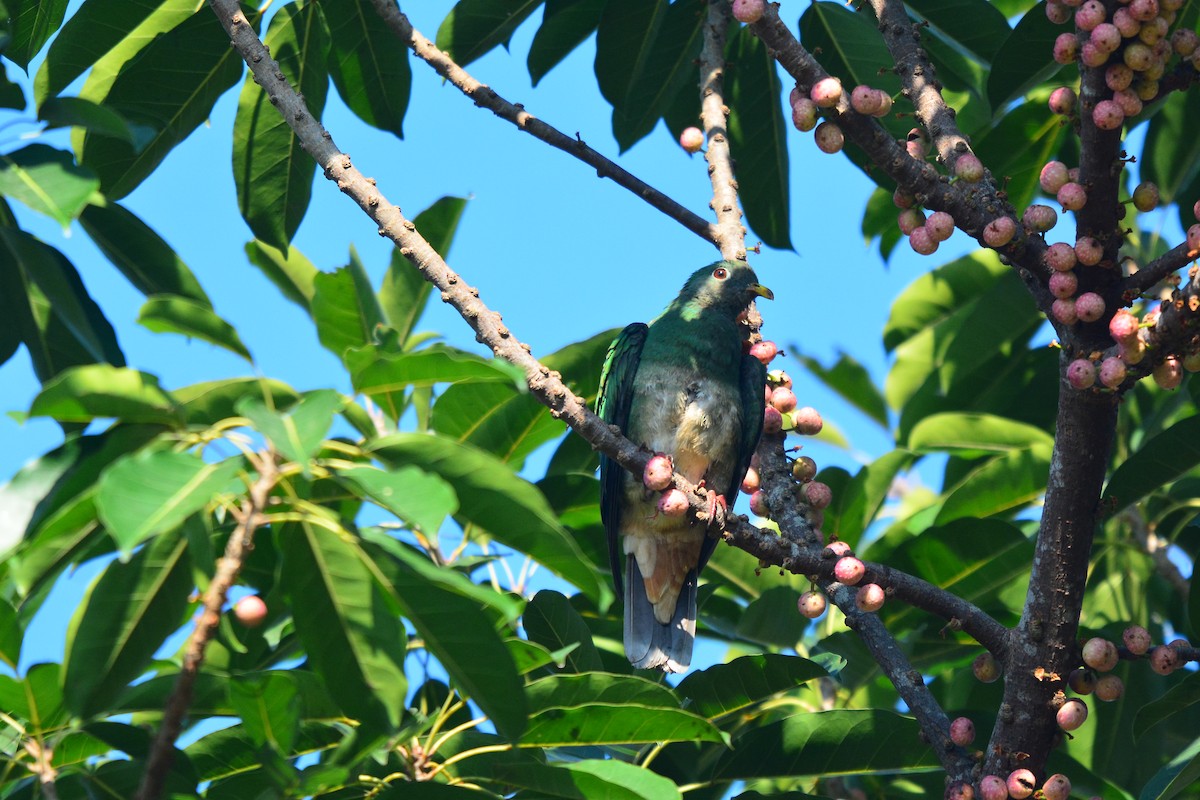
(713, 500)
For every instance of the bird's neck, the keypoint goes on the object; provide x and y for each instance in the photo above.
(705, 337)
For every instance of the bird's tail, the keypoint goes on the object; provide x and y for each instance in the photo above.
(648, 643)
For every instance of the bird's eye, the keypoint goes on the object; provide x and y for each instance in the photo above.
(720, 273)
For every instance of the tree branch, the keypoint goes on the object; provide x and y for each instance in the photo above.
(731, 236)
(485, 97)
(162, 752)
(1156, 547)
(1157, 270)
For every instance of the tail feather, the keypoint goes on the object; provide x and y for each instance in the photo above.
(648, 643)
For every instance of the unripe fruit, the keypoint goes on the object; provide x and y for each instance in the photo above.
(1123, 326)
(691, 139)
(992, 787)
(829, 137)
(985, 667)
(1088, 251)
(902, 199)
(969, 168)
(752, 482)
(1064, 312)
(251, 611)
(1058, 13)
(758, 504)
(1112, 372)
(1191, 362)
(1153, 31)
(1100, 654)
(1089, 307)
(1053, 177)
(812, 604)
(1136, 639)
(1056, 787)
(1118, 77)
(1021, 784)
(962, 731)
(849, 570)
(1072, 196)
(1081, 374)
(910, 219)
(1108, 115)
(870, 598)
(1081, 681)
(826, 92)
(1060, 257)
(1063, 285)
(807, 421)
(1169, 374)
(779, 378)
(657, 474)
(803, 469)
(865, 100)
(1184, 42)
(764, 351)
(804, 114)
(1039, 218)
(940, 225)
(1066, 48)
(1072, 714)
(1147, 87)
(1193, 237)
(748, 11)
(1062, 100)
(1164, 659)
(772, 420)
(673, 503)
(1145, 196)
(839, 549)
(1138, 57)
(1132, 351)
(999, 232)
(1089, 15)
(1109, 688)
(783, 399)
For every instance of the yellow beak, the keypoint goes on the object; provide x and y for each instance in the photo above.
(762, 291)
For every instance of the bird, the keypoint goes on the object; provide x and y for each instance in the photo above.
(684, 386)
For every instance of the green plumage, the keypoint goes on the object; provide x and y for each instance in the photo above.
(682, 386)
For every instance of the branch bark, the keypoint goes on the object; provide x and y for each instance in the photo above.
(731, 236)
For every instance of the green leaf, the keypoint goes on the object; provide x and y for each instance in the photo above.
(84, 393)
(344, 307)
(292, 273)
(1019, 145)
(851, 381)
(446, 610)
(421, 500)
(757, 137)
(565, 26)
(273, 174)
(474, 27)
(378, 370)
(212, 401)
(298, 432)
(591, 778)
(1163, 459)
(56, 543)
(492, 497)
(1025, 59)
(47, 180)
(530, 656)
(269, 705)
(38, 699)
(370, 71)
(1004, 483)
(405, 291)
(552, 622)
(232, 751)
(172, 314)
(202, 65)
(851, 47)
(972, 435)
(974, 25)
(827, 743)
(855, 505)
(151, 492)
(1179, 699)
(1178, 776)
(725, 688)
(127, 613)
(934, 297)
(343, 620)
(625, 42)
(11, 634)
(33, 23)
(75, 112)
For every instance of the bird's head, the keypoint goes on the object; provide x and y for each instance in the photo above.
(727, 286)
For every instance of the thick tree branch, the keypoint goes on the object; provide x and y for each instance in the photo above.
(485, 97)
(162, 753)
(1157, 270)
(731, 236)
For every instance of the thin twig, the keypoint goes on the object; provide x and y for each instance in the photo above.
(485, 97)
(731, 236)
(250, 517)
(1160, 268)
(1157, 549)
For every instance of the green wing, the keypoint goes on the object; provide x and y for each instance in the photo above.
(612, 406)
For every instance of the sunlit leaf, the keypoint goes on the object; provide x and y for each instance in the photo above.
(1163, 459)
(580, 780)
(296, 433)
(550, 621)
(726, 688)
(370, 72)
(171, 314)
(82, 394)
(47, 180)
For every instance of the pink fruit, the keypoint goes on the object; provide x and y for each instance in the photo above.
(1072, 714)
(1081, 374)
(992, 787)
(1039, 218)
(657, 474)
(902, 199)
(673, 503)
(803, 469)
(1064, 311)
(1105, 38)
(1088, 251)
(1130, 103)
(1100, 654)
(818, 494)
(959, 790)
(1060, 257)
(849, 570)
(251, 611)
(1056, 787)
(1143, 10)
(870, 597)
(1136, 639)
(1058, 13)
(829, 137)
(1169, 374)
(962, 731)
(839, 549)
(1089, 307)
(1092, 56)
(807, 421)
(885, 104)
(865, 100)
(1021, 784)
(999, 231)
(1072, 196)
(1164, 659)
(1053, 177)
(772, 420)
(985, 667)
(1125, 23)
(1191, 362)
(752, 481)
(1066, 48)
(1118, 76)
(1089, 15)
(1123, 326)
(1108, 115)
(922, 241)
(969, 168)
(812, 604)
(748, 11)
(1112, 372)
(1109, 688)
(940, 225)
(691, 139)
(1063, 285)
(910, 219)
(826, 92)
(764, 351)
(1193, 234)
(804, 114)
(758, 504)
(783, 399)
